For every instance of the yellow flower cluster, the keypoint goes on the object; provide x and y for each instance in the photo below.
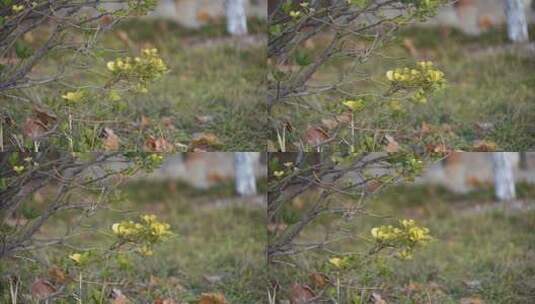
(17, 8)
(405, 236)
(147, 231)
(423, 73)
(354, 105)
(147, 67)
(79, 258)
(424, 77)
(73, 96)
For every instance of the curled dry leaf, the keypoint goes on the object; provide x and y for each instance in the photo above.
(118, 297)
(165, 301)
(144, 122)
(42, 289)
(377, 299)
(57, 275)
(44, 116)
(33, 128)
(319, 280)
(157, 145)
(212, 298)
(301, 294)
(484, 146)
(471, 300)
(392, 145)
(315, 136)
(204, 141)
(111, 140)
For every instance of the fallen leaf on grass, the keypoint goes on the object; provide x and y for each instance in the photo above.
(315, 136)
(377, 299)
(204, 119)
(329, 123)
(42, 289)
(118, 297)
(212, 298)
(319, 280)
(111, 140)
(165, 301)
(57, 275)
(471, 300)
(33, 128)
(300, 294)
(157, 145)
(484, 146)
(204, 141)
(392, 145)
(409, 45)
(144, 122)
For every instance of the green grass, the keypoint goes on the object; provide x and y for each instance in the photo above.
(488, 254)
(226, 243)
(493, 88)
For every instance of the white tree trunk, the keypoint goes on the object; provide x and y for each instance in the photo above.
(245, 178)
(517, 25)
(504, 181)
(236, 17)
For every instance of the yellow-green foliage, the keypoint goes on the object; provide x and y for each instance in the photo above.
(144, 233)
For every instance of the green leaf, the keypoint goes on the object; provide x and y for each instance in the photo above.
(22, 50)
(302, 58)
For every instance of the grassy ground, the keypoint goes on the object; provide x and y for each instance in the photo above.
(476, 257)
(215, 249)
(489, 95)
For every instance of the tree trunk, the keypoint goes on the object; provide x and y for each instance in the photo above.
(504, 181)
(517, 25)
(245, 178)
(236, 17)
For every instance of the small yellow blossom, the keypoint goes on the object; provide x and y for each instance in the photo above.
(278, 173)
(288, 164)
(18, 169)
(76, 257)
(354, 105)
(73, 96)
(337, 262)
(295, 14)
(111, 66)
(17, 8)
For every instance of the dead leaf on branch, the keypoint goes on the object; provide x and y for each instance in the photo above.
(471, 300)
(212, 298)
(111, 140)
(57, 275)
(165, 301)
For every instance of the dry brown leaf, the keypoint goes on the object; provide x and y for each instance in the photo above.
(377, 299)
(409, 45)
(392, 145)
(484, 146)
(33, 128)
(118, 297)
(165, 301)
(438, 149)
(319, 280)
(111, 140)
(57, 275)
(425, 128)
(204, 141)
(329, 123)
(315, 136)
(300, 294)
(204, 119)
(373, 185)
(42, 289)
(144, 122)
(157, 145)
(46, 117)
(344, 118)
(471, 300)
(212, 298)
